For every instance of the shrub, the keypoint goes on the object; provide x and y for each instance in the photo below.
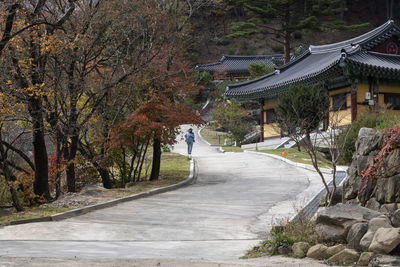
(300, 230)
(347, 139)
(232, 117)
(202, 77)
(258, 69)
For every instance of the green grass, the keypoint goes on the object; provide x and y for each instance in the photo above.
(29, 213)
(301, 157)
(232, 149)
(174, 168)
(212, 136)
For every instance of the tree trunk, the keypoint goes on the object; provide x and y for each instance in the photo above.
(41, 182)
(155, 169)
(58, 166)
(143, 158)
(70, 171)
(104, 174)
(287, 34)
(287, 47)
(7, 178)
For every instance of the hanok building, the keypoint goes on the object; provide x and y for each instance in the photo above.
(237, 67)
(360, 74)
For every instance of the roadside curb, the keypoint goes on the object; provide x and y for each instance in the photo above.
(201, 137)
(312, 205)
(301, 165)
(204, 140)
(110, 203)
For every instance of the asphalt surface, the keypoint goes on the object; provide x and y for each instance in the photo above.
(235, 199)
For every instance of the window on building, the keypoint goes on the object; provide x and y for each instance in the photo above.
(270, 115)
(393, 100)
(339, 101)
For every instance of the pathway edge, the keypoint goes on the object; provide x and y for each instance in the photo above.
(110, 203)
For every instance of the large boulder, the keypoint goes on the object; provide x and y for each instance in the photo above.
(385, 240)
(387, 190)
(334, 250)
(373, 204)
(385, 260)
(365, 258)
(391, 164)
(352, 183)
(346, 256)
(373, 225)
(367, 141)
(317, 252)
(285, 249)
(395, 218)
(388, 209)
(357, 231)
(300, 249)
(333, 223)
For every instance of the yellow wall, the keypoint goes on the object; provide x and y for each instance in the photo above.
(341, 117)
(389, 89)
(270, 105)
(362, 88)
(339, 91)
(271, 130)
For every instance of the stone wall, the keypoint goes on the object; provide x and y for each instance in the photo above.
(383, 191)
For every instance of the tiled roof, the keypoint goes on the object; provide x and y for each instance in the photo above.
(368, 61)
(322, 61)
(231, 64)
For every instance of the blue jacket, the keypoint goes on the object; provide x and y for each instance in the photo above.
(189, 137)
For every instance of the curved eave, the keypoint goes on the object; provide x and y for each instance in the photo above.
(373, 70)
(326, 73)
(367, 40)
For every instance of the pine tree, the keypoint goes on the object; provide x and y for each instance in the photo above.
(281, 18)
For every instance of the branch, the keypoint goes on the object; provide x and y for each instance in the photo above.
(9, 24)
(64, 18)
(38, 7)
(20, 153)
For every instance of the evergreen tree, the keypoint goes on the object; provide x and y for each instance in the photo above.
(281, 18)
(258, 69)
(302, 109)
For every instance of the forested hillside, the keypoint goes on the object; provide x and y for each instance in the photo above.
(212, 25)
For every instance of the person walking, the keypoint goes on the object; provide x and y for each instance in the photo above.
(189, 139)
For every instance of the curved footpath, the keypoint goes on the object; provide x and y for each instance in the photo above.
(236, 198)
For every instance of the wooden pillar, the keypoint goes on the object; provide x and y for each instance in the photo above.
(326, 123)
(375, 94)
(262, 120)
(353, 100)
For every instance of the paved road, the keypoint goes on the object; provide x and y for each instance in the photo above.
(227, 211)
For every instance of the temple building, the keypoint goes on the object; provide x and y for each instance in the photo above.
(360, 74)
(237, 67)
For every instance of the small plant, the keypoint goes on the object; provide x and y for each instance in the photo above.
(278, 238)
(373, 261)
(300, 230)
